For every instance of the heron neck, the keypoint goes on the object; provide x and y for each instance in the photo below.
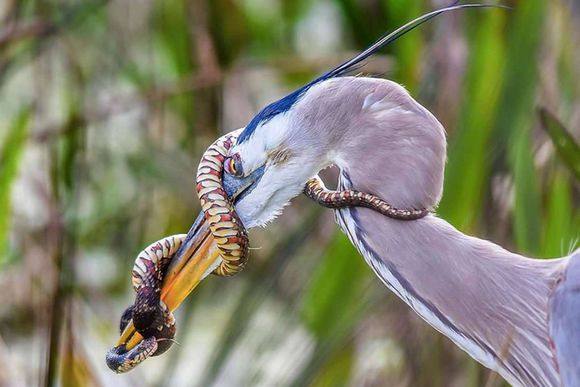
(389, 144)
(490, 302)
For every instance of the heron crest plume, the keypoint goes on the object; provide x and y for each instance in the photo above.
(308, 127)
(285, 103)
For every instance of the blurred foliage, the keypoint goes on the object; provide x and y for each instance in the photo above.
(565, 144)
(10, 158)
(463, 190)
(107, 105)
(516, 116)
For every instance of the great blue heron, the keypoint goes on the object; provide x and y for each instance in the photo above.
(515, 315)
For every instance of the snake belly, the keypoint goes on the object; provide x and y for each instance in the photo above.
(225, 225)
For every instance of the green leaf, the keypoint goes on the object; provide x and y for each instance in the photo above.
(358, 21)
(337, 370)
(527, 214)
(229, 29)
(408, 50)
(332, 305)
(565, 145)
(171, 27)
(10, 158)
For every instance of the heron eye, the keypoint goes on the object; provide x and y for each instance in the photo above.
(233, 165)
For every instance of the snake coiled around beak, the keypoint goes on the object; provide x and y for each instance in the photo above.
(150, 316)
(225, 225)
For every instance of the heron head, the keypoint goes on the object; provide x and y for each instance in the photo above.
(254, 182)
(271, 161)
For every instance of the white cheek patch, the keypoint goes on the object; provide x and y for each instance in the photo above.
(268, 136)
(273, 192)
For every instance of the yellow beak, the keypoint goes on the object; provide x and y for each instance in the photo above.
(197, 256)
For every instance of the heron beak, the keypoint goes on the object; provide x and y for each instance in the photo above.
(197, 257)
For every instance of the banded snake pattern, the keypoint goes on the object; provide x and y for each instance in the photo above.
(316, 190)
(225, 225)
(150, 315)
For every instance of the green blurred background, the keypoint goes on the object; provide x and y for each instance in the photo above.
(106, 106)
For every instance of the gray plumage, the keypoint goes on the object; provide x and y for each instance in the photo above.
(564, 322)
(492, 303)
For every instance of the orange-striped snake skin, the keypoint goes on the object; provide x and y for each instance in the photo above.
(151, 261)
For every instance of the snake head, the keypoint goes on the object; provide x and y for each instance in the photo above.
(120, 360)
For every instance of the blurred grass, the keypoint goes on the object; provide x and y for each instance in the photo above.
(127, 94)
(408, 51)
(254, 293)
(559, 237)
(464, 189)
(11, 153)
(332, 303)
(335, 288)
(516, 117)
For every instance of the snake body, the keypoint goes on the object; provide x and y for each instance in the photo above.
(226, 227)
(316, 190)
(151, 317)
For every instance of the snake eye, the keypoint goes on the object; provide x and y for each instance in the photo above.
(233, 165)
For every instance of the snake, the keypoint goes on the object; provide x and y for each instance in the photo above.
(151, 317)
(317, 191)
(226, 227)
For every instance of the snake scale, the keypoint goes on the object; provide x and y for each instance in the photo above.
(152, 319)
(225, 225)
(316, 191)
(150, 315)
